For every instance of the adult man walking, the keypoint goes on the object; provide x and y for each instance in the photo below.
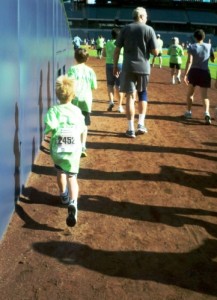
(138, 41)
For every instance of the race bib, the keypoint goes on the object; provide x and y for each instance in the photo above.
(68, 140)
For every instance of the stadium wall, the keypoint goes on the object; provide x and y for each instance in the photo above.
(36, 46)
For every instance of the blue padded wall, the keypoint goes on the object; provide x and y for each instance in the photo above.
(36, 46)
(9, 78)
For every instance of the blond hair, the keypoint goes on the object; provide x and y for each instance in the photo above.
(64, 88)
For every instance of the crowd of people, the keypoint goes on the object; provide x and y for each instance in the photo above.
(128, 67)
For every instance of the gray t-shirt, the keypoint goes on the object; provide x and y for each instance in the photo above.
(137, 39)
(201, 54)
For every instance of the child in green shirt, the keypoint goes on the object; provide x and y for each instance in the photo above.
(176, 52)
(65, 122)
(85, 79)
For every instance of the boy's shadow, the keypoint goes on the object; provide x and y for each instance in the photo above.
(195, 270)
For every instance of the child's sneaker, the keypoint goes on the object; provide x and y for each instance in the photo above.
(111, 105)
(64, 198)
(207, 119)
(188, 115)
(71, 219)
(178, 79)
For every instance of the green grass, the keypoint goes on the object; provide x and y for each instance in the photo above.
(212, 66)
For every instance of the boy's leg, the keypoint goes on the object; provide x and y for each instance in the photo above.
(73, 187)
(71, 219)
(84, 137)
(110, 89)
(173, 75)
(62, 184)
(160, 61)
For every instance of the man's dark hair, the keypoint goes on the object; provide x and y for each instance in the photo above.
(199, 35)
(81, 55)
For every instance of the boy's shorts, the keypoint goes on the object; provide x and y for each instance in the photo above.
(200, 78)
(133, 81)
(177, 66)
(111, 79)
(65, 172)
(86, 118)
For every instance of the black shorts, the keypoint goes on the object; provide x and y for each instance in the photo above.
(58, 168)
(177, 66)
(200, 78)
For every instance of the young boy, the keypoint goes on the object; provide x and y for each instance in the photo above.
(113, 82)
(176, 52)
(65, 122)
(85, 79)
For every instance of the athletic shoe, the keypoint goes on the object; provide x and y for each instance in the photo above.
(83, 152)
(141, 129)
(120, 109)
(130, 134)
(207, 119)
(111, 105)
(178, 79)
(187, 115)
(71, 219)
(64, 198)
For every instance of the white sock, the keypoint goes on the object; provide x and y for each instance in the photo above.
(141, 119)
(131, 125)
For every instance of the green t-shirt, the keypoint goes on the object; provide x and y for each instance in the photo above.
(176, 52)
(100, 43)
(110, 48)
(66, 123)
(86, 81)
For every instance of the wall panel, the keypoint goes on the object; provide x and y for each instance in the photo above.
(36, 40)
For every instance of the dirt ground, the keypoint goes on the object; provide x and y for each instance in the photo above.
(147, 222)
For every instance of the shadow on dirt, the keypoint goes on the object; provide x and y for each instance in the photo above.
(205, 182)
(194, 270)
(172, 216)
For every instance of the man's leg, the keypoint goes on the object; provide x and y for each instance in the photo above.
(142, 107)
(130, 113)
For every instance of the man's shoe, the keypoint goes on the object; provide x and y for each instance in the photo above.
(207, 119)
(141, 129)
(71, 219)
(130, 134)
(111, 105)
